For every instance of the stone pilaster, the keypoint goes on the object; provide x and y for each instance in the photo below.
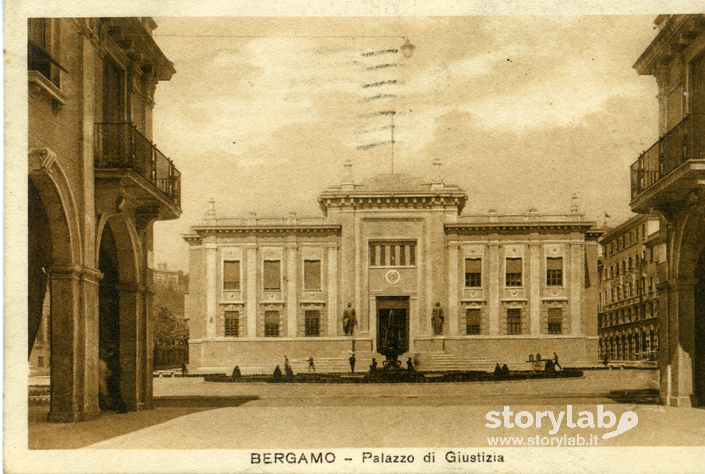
(453, 288)
(251, 289)
(211, 255)
(291, 285)
(332, 290)
(576, 287)
(535, 282)
(494, 288)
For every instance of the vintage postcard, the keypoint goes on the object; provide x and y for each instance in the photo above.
(376, 237)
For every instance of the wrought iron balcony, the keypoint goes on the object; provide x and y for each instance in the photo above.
(685, 141)
(121, 145)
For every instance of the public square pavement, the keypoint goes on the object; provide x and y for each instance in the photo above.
(192, 414)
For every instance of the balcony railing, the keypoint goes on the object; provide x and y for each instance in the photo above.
(121, 145)
(685, 141)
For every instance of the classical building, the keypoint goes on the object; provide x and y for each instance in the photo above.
(629, 309)
(96, 186)
(669, 179)
(392, 249)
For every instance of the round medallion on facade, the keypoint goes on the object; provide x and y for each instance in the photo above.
(312, 294)
(393, 276)
(271, 296)
(515, 292)
(474, 293)
(231, 296)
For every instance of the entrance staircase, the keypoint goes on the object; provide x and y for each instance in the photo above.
(444, 362)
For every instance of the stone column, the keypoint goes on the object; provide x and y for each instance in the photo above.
(576, 287)
(495, 288)
(131, 343)
(74, 368)
(211, 255)
(453, 288)
(251, 289)
(89, 282)
(333, 290)
(291, 286)
(535, 281)
(363, 317)
(682, 347)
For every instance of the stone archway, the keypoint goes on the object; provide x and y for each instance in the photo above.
(122, 326)
(682, 328)
(56, 250)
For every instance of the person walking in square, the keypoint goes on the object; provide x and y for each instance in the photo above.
(311, 367)
(352, 362)
(555, 361)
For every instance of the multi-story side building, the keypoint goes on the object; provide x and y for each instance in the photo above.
(669, 179)
(397, 250)
(628, 314)
(96, 186)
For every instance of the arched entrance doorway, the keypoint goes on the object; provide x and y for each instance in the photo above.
(39, 261)
(121, 316)
(109, 325)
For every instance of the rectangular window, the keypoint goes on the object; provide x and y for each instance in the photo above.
(555, 320)
(271, 324)
(40, 361)
(312, 274)
(231, 275)
(554, 271)
(513, 321)
(392, 253)
(513, 272)
(473, 272)
(272, 275)
(313, 323)
(232, 323)
(472, 321)
(39, 52)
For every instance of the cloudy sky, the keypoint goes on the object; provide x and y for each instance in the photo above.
(522, 111)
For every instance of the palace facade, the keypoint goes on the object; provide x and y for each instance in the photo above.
(392, 248)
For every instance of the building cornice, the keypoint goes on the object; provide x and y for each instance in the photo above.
(264, 229)
(497, 226)
(677, 33)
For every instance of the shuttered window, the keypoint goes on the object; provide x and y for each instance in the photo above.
(231, 275)
(313, 323)
(554, 271)
(271, 324)
(312, 274)
(555, 320)
(472, 321)
(513, 321)
(473, 272)
(232, 323)
(272, 275)
(513, 272)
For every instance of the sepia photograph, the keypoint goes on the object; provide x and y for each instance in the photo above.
(387, 239)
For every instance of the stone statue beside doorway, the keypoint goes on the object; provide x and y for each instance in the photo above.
(437, 319)
(349, 320)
